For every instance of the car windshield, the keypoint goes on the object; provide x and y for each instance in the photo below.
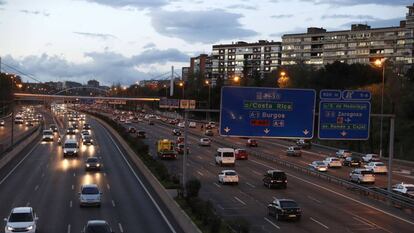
(47, 133)
(366, 172)
(379, 164)
(70, 145)
(334, 159)
(279, 175)
(241, 151)
(101, 228)
(92, 160)
(228, 154)
(288, 204)
(85, 132)
(319, 163)
(21, 217)
(90, 190)
(231, 174)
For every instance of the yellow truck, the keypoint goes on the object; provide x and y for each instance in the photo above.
(165, 149)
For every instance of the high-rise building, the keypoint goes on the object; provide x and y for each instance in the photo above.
(184, 73)
(244, 59)
(198, 66)
(361, 44)
(93, 83)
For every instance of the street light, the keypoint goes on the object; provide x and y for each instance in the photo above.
(236, 79)
(380, 63)
(283, 79)
(181, 84)
(207, 82)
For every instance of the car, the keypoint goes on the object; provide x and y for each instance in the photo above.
(2, 123)
(275, 178)
(90, 195)
(181, 125)
(209, 133)
(179, 140)
(352, 161)
(121, 119)
(141, 134)
(284, 209)
(85, 133)
(176, 132)
(29, 123)
(54, 128)
(93, 163)
(342, 154)
(251, 143)
(241, 154)
(319, 166)
(180, 148)
(87, 140)
(86, 126)
(333, 162)
(404, 189)
(293, 151)
(128, 122)
(304, 143)
(70, 131)
(75, 126)
(192, 124)
(132, 130)
(361, 175)
(47, 135)
(225, 156)
(371, 158)
(211, 124)
(377, 167)
(21, 219)
(97, 226)
(70, 147)
(204, 142)
(228, 176)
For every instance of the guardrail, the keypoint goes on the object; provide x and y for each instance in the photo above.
(23, 137)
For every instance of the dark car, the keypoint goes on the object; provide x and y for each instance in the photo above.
(284, 209)
(132, 130)
(70, 131)
(304, 143)
(352, 161)
(92, 163)
(176, 132)
(53, 127)
(97, 226)
(87, 140)
(251, 143)
(86, 126)
(275, 178)
(75, 126)
(209, 133)
(141, 134)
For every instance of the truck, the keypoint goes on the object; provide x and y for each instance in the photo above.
(165, 149)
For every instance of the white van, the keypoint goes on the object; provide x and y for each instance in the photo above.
(70, 147)
(18, 119)
(225, 156)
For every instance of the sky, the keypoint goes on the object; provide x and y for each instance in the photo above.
(124, 41)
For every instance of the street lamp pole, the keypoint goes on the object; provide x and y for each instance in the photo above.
(382, 107)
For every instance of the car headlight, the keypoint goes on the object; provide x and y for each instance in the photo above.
(87, 165)
(98, 165)
(9, 228)
(29, 228)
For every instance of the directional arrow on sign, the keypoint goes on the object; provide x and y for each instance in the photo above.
(306, 132)
(227, 129)
(343, 133)
(266, 131)
(348, 120)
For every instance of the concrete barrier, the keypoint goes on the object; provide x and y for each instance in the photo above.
(183, 220)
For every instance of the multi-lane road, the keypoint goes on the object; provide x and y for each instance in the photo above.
(326, 207)
(43, 179)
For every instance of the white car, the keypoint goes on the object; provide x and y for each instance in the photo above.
(343, 154)
(192, 124)
(404, 189)
(85, 133)
(70, 147)
(370, 158)
(319, 166)
(181, 125)
(90, 195)
(205, 142)
(21, 219)
(377, 167)
(228, 176)
(362, 176)
(47, 135)
(2, 123)
(333, 162)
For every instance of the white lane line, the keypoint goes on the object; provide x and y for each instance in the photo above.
(17, 165)
(113, 203)
(218, 186)
(316, 221)
(109, 187)
(250, 185)
(240, 200)
(314, 199)
(363, 222)
(256, 172)
(120, 228)
(340, 194)
(70, 204)
(212, 164)
(199, 157)
(69, 228)
(371, 223)
(43, 175)
(74, 174)
(73, 187)
(200, 173)
(271, 223)
(104, 173)
(220, 206)
(141, 183)
(47, 166)
(36, 188)
(28, 204)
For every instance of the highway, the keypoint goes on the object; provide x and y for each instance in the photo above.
(43, 179)
(18, 132)
(326, 207)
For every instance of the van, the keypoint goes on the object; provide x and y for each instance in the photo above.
(47, 135)
(225, 156)
(70, 147)
(18, 119)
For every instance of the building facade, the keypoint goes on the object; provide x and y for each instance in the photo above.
(244, 59)
(93, 83)
(361, 44)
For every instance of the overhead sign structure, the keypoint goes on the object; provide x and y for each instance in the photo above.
(187, 104)
(347, 118)
(177, 103)
(267, 112)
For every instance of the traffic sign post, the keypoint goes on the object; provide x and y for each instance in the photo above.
(267, 112)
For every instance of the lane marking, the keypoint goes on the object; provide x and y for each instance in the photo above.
(212, 164)
(104, 173)
(113, 203)
(28, 204)
(271, 223)
(218, 186)
(73, 187)
(250, 185)
(140, 182)
(220, 207)
(199, 157)
(371, 223)
(363, 222)
(341, 195)
(314, 199)
(200, 173)
(120, 228)
(240, 200)
(109, 187)
(36, 188)
(256, 172)
(70, 204)
(43, 175)
(74, 174)
(69, 228)
(316, 221)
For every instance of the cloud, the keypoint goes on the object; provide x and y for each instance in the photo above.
(377, 23)
(131, 3)
(346, 16)
(107, 67)
(199, 26)
(35, 12)
(2, 2)
(242, 6)
(361, 2)
(282, 16)
(96, 35)
(149, 45)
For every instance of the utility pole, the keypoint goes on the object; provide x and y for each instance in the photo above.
(185, 150)
(172, 81)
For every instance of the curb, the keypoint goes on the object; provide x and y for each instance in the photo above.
(183, 220)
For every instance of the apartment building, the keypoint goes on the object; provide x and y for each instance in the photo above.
(199, 66)
(361, 44)
(244, 59)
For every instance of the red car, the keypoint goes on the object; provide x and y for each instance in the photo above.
(241, 154)
(251, 143)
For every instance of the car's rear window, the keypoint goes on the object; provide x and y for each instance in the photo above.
(47, 133)
(90, 190)
(70, 145)
(21, 217)
(101, 228)
(228, 154)
(288, 204)
(231, 173)
(92, 160)
(279, 175)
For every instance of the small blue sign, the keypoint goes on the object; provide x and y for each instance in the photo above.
(344, 120)
(330, 94)
(359, 95)
(267, 112)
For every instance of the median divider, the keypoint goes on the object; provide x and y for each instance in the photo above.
(183, 220)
